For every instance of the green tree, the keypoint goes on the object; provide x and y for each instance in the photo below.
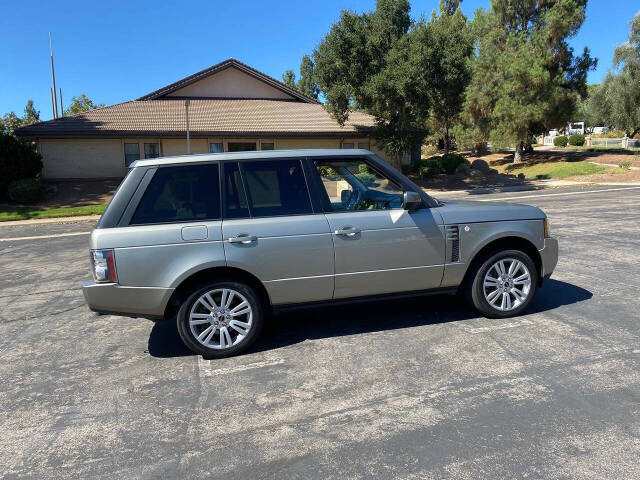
(307, 83)
(31, 115)
(526, 78)
(378, 62)
(289, 78)
(451, 50)
(10, 121)
(81, 104)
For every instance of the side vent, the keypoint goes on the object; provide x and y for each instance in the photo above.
(453, 237)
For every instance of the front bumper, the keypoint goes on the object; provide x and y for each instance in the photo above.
(111, 298)
(549, 256)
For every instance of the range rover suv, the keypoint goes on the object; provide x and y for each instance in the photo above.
(221, 240)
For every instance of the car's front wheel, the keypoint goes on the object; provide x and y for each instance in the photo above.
(220, 319)
(504, 284)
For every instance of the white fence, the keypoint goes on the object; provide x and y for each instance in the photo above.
(625, 142)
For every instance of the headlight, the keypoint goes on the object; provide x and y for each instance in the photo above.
(103, 266)
(546, 228)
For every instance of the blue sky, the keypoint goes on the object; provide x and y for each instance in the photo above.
(119, 50)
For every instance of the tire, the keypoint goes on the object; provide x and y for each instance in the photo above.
(489, 290)
(196, 315)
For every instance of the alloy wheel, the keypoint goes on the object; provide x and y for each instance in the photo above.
(221, 318)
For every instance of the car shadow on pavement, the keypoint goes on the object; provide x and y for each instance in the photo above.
(296, 326)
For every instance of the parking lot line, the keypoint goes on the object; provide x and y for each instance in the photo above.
(206, 369)
(38, 237)
(556, 194)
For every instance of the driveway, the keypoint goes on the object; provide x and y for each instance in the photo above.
(414, 389)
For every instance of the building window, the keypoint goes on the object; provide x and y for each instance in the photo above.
(131, 153)
(241, 146)
(267, 146)
(151, 150)
(180, 194)
(363, 145)
(216, 148)
(347, 145)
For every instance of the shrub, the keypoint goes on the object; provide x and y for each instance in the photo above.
(625, 165)
(26, 190)
(18, 160)
(450, 161)
(560, 141)
(368, 179)
(576, 140)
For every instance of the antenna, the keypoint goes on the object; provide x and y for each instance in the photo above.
(61, 106)
(53, 80)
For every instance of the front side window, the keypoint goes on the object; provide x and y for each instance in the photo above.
(131, 153)
(216, 148)
(180, 194)
(276, 188)
(151, 150)
(355, 185)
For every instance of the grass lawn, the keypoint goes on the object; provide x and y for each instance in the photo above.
(13, 212)
(558, 170)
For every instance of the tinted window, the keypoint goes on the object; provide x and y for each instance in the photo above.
(276, 188)
(180, 194)
(235, 201)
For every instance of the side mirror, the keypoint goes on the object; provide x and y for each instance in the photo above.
(412, 201)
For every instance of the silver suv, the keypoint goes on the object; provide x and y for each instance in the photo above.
(222, 240)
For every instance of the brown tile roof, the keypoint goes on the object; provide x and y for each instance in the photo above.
(218, 67)
(207, 117)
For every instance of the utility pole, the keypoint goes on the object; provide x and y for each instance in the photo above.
(53, 80)
(186, 110)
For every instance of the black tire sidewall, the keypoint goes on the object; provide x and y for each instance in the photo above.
(477, 290)
(182, 320)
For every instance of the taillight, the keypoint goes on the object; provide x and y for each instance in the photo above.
(103, 266)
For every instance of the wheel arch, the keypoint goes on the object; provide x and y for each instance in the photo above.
(508, 242)
(206, 275)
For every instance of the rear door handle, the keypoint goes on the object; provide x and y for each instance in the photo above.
(347, 231)
(243, 238)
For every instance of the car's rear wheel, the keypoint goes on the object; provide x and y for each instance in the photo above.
(220, 319)
(503, 284)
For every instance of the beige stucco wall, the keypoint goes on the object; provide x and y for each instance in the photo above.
(295, 143)
(102, 158)
(178, 146)
(231, 83)
(79, 158)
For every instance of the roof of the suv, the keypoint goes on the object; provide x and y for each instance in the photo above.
(208, 157)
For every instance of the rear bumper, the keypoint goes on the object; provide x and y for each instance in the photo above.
(111, 298)
(549, 256)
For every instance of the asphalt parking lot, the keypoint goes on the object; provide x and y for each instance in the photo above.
(413, 389)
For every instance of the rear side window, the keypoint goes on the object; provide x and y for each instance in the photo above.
(276, 188)
(180, 194)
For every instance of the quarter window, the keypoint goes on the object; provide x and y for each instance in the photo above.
(131, 153)
(355, 185)
(180, 194)
(276, 188)
(151, 150)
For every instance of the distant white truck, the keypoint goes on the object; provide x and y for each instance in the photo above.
(575, 128)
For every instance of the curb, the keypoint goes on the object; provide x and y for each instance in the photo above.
(60, 220)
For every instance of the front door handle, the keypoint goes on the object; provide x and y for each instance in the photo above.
(243, 238)
(347, 231)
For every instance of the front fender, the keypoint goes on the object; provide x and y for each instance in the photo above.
(476, 236)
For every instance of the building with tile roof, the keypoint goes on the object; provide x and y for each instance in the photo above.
(231, 107)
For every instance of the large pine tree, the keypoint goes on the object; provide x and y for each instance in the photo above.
(525, 76)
